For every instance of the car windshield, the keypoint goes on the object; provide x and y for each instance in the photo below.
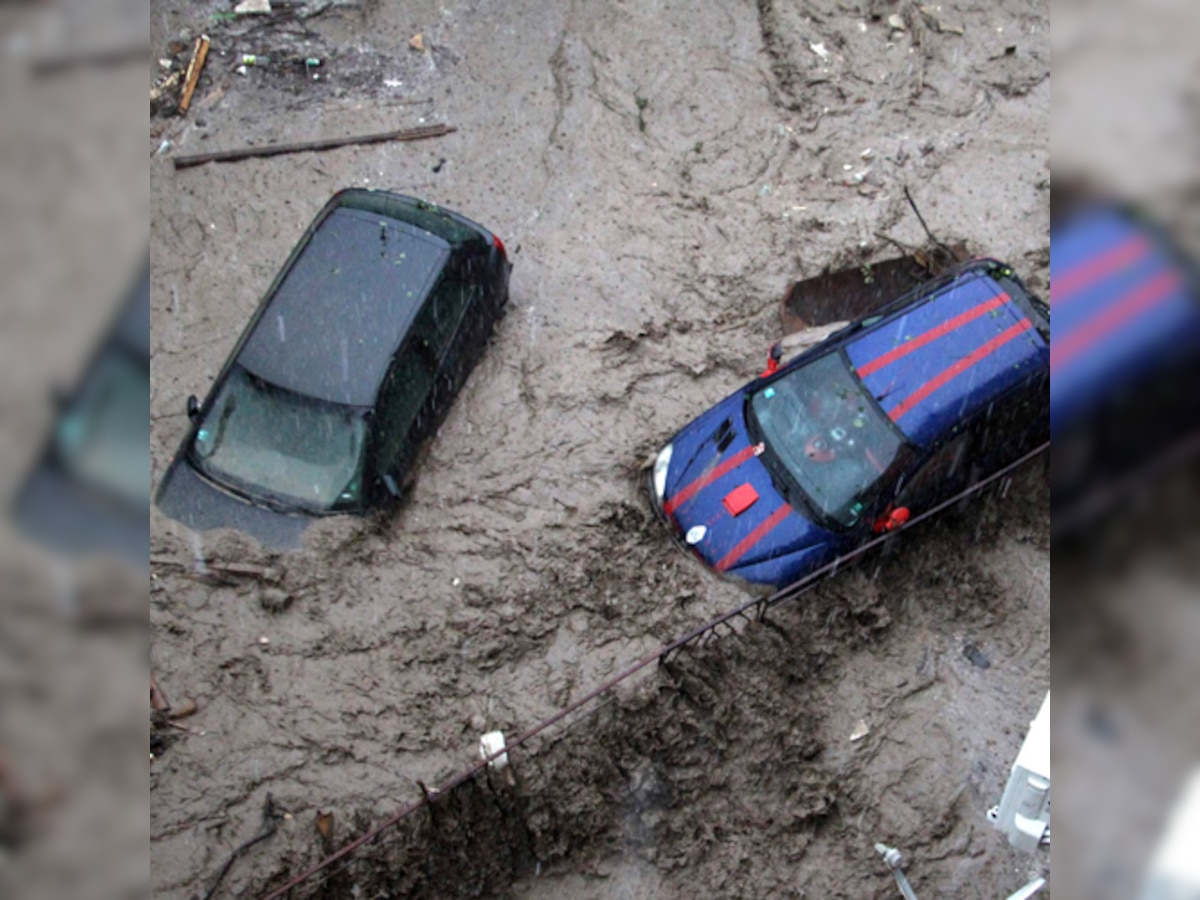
(824, 430)
(293, 449)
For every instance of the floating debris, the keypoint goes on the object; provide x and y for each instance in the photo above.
(490, 744)
(325, 825)
(976, 657)
(195, 67)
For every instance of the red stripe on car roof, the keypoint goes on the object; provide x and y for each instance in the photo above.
(707, 478)
(743, 546)
(932, 334)
(1088, 272)
(947, 375)
(1124, 309)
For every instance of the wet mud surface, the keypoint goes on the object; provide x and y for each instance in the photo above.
(660, 173)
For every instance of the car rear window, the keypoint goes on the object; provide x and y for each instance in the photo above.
(424, 215)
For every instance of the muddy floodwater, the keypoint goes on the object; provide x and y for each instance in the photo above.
(660, 173)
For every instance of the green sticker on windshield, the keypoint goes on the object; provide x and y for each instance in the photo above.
(769, 393)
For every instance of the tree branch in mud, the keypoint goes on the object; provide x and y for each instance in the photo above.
(271, 817)
(933, 239)
(406, 134)
(158, 700)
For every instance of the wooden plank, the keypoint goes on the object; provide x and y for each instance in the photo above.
(193, 72)
(408, 134)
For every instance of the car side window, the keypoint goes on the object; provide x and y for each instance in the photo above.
(1012, 415)
(400, 401)
(440, 317)
(948, 469)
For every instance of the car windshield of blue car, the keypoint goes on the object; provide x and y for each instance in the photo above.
(280, 446)
(834, 442)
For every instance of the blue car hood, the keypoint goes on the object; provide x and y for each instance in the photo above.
(768, 541)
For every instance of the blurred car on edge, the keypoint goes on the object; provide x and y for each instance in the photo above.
(349, 365)
(1126, 358)
(883, 419)
(90, 490)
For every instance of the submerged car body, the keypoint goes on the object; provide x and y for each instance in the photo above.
(349, 365)
(1126, 358)
(885, 418)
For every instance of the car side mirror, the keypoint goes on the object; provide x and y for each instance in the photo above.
(389, 483)
(774, 355)
(893, 519)
(193, 407)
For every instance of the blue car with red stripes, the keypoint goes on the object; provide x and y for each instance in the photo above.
(1126, 357)
(881, 421)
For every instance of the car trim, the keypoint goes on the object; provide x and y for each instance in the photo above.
(707, 478)
(1137, 301)
(746, 544)
(1123, 254)
(949, 374)
(933, 334)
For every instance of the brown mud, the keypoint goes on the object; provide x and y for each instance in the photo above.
(660, 173)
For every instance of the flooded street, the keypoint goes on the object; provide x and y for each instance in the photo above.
(660, 173)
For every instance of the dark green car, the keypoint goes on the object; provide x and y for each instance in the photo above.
(349, 365)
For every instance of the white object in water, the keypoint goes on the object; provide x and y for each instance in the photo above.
(491, 743)
(1175, 869)
(1024, 810)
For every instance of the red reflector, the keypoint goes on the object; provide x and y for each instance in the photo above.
(740, 499)
(499, 245)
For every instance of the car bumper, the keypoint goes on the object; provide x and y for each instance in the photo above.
(189, 498)
(72, 519)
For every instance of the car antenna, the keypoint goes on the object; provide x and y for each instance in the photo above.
(933, 239)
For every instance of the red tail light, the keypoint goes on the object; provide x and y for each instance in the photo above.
(499, 245)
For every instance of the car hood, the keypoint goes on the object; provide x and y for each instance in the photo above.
(187, 497)
(722, 502)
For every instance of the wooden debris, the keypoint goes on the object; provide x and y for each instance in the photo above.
(246, 570)
(166, 86)
(417, 42)
(408, 134)
(325, 828)
(187, 708)
(199, 54)
(158, 700)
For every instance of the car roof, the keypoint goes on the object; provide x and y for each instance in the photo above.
(1124, 306)
(343, 306)
(948, 354)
